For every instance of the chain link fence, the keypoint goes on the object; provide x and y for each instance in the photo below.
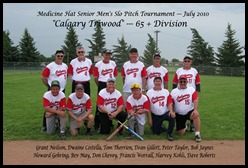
(203, 70)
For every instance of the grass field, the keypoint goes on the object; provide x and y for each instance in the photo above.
(221, 108)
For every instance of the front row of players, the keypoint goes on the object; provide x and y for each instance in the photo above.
(155, 107)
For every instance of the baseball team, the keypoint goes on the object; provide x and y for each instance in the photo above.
(144, 98)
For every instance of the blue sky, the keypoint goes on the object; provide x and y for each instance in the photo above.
(172, 41)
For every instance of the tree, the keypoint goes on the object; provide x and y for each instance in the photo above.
(121, 52)
(201, 52)
(229, 54)
(71, 43)
(147, 59)
(28, 51)
(98, 42)
(10, 52)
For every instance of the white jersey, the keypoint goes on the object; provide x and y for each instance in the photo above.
(79, 105)
(191, 74)
(133, 73)
(80, 70)
(54, 102)
(152, 72)
(142, 103)
(104, 71)
(55, 71)
(183, 99)
(159, 99)
(111, 101)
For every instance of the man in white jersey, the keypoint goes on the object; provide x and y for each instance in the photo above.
(185, 100)
(138, 106)
(161, 108)
(193, 79)
(54, 102)
(80, 70)
(133, 71)
(111, 104)
(157, 70)
(56, 70)
(103, 70)
(79, 108)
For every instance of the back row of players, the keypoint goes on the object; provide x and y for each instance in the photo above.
(133, 73)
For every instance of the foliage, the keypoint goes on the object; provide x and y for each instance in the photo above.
(10, 52)
(121, 52)
(98, 43)
(147, 59)
(229, 53)
(201, 52)
(71, 43)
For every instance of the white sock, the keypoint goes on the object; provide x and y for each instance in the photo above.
(197, 133)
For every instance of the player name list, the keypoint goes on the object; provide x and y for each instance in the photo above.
(124, 151)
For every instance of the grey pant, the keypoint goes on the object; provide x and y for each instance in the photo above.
(50, 123)
(133, 123)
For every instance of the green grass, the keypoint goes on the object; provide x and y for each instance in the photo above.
(221, 108)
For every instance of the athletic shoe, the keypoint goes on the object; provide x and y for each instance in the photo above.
(170, 137)
(62, 135)
(198, 138)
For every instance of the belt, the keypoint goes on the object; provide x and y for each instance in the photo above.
(80, 82)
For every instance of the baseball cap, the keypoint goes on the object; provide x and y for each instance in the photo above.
(135, 86)
(156, 54)
(183, 77)
(111, 80)
(187, 57)
(107, 51)
(79, 86)
(55, 83)
(133, 50)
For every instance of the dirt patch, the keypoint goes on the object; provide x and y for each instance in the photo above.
(124, 152)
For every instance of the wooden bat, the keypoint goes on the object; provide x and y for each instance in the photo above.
(119, 128)
(132, 131)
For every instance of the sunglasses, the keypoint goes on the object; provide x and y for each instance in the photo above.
(60, 56)
(183, 81)
(80, 52)
(186, 61)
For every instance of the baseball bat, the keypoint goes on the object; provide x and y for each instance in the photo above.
(119, 128)
(132, 131)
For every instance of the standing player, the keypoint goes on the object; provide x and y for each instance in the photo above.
(80, 69)
(193, 78)
(185, 100)
(111, 104)
(161, 108)
(79, 108)
(138, 106)
(103, 70)
(54, 102)
(133, 71)
(56, 70)
(157, 70)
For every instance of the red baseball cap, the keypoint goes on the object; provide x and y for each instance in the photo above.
(183, 77)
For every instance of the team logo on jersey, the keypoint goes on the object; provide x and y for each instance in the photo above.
(60, 72)
(81, 69)
(137, 107)
(109, 101)
(106, 71)
(132, 70)
(183, 97)
(54, 105)
(157, 99)
(78, 106)
(154, 74)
